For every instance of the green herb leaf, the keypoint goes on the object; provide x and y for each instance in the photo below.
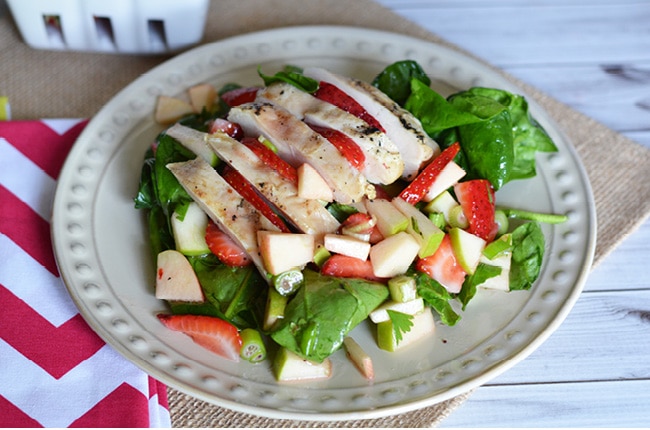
(436, 296)
(291, 75)
(483, 273)
(402, 323)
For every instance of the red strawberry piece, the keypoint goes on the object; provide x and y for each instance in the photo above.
(331, 94)
(250, 194)
(343, 266)
(444, 267)
(476, 198)
(359, 223)
(232, 129)
(346, 146)
(222, 245)
(239, 96)
(418, 188)
(271, 159)
(214, 334)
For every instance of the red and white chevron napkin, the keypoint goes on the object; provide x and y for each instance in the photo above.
(54, 370)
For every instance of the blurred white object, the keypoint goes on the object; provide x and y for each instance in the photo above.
(120, 26)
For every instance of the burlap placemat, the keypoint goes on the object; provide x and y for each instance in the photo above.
(42, 84)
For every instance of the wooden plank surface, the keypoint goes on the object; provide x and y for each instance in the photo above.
(593, 55)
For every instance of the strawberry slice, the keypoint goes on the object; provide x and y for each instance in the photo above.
(271, 159)
(214, 334)
(443, 266)
(343, 266)
(239, 96)
(476, 198)
(220, 125)
(418, 188)
(226, 250)
(346, 146)
(331, 94)
(249, 193)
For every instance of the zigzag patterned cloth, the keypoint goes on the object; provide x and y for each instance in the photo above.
(54, 370)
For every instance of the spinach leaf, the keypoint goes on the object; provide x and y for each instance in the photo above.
(436, 296)
(482, 273)
(527, 253)
(322, 313)
(395, 80)
(290, 75)
(169, 191)
(237, 293)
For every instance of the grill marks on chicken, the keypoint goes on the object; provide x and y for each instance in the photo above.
(383, 163)
(403, 129)
(297, 143)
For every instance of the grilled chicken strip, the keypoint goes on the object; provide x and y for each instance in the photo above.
(309, 216)
(401, 126)
(298, 144)
(383, 163)
(234, 215)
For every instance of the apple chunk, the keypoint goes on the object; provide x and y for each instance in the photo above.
(390, 220)
(189, 233)
(311, 184)
(447, 178)
(423, 325)
(359, 358)
(290, 367)
(285, 251)
(393, 255)
(467, 247)
(170, 109)
(175, 278)
(420, 227)
(347, 245)
(202, 96)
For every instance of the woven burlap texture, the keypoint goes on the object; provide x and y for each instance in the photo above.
(39, 84)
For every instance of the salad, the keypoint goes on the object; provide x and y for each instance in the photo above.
(283, 215)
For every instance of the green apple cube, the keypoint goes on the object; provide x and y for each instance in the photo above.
(502, 280)
(443, 204)
(420, 227)
(402, 288)
(393, 255)
(467, 248)
(189, 233)
(423, 325)
(289, 367)
(390, 220)
(412, 307)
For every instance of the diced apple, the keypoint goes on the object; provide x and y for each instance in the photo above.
(359, 357)
(443, 204)
(275, 305)
(311, 184)
(346, 245)
(285, 251)
(467, 247)
(202, 96)
(411, 307)
(175, 278)
(502, 280)
(448, 177)
(420, 227)
(402, 288)
(290, 367)
(393, 255)
(423, 325)
(171, 109)
(189, 234)
(390, 220)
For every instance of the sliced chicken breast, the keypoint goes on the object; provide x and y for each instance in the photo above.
(298, 144)
(234, 215)
(307, 215)
(403, 129)
(383, 163)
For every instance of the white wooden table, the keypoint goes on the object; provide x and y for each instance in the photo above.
(593, 55)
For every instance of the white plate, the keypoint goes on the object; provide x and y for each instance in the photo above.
(102, 249)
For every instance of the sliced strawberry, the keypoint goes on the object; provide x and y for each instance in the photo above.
(271, 159)
(331, 94)
(346, 146)
(250, 194)
(224, 247)
(358, 223)
(240, 96)
(220, 125)
(419, 187)
(476, 198)
(343, 266)
(214, 334)
(443, 267)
